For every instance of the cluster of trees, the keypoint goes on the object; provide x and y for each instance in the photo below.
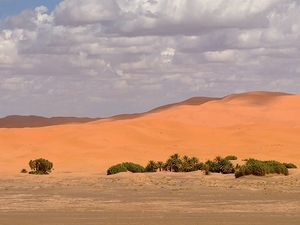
(176, 163)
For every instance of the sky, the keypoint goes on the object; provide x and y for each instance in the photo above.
(99, 58)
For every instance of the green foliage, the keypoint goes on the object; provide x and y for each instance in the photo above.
(40, 166)
(176, 163)
(133, 167)
(173, 163)
(160, 165)
(24, 171)
(37, 172)
(290, 165)
(261, 168)
(116, 169)
(220, 165)
(124, 167)
(205, 169)
(231, 157)
(152, 166)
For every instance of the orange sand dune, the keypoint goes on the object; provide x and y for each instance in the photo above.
(262, 125)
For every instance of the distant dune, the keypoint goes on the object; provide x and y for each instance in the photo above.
(17, 121)
(263, 125)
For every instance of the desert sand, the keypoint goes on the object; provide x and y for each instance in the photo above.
(262, 125)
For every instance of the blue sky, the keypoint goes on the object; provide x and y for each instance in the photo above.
(13, 7)
(99, 58)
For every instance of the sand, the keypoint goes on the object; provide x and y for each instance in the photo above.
(262, 125)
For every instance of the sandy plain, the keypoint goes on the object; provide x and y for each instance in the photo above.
(262, 125)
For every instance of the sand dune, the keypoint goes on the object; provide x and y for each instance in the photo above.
(17, 121)
(262, 125)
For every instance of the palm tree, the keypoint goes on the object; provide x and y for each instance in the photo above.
(151, 166)
(194, 162)
(160, 165)
(186, 164)
(223, 165)
(174, 162)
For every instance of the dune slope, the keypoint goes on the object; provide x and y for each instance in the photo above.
(262, 125)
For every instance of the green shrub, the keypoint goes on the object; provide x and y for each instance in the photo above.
(290, 165)
(37, 172)
(24, 171)
(40, 166)
(116, 169)
(261, 168)
(134, 168)
(124, 167)
(231, 157)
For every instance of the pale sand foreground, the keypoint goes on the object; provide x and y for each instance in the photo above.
(151, 198)
(261, 125)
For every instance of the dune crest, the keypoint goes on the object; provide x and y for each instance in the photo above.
(17, 121)
(261, 125)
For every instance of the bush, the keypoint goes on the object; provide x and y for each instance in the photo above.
(116, 169)
(231, 157)
(261, 168)
(290, 165)
(24, 171)
(134, 168)
(124, 167)
(40, 166)
(37, 172)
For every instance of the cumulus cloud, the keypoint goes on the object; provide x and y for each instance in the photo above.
(98, 58)
(77, 12)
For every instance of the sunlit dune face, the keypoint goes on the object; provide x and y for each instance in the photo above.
(260, 125)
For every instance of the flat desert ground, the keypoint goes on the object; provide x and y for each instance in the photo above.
(261, 125)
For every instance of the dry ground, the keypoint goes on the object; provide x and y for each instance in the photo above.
(150, 198)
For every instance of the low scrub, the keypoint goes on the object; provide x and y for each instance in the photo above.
(231, 157)
(118, 168)
(134, 168)
(124, 167)
(24, 171)
(290, 165)
(261, 168)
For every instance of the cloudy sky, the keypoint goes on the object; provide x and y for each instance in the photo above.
(99, 58)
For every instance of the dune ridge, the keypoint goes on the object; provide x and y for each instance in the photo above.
(263, 125)
(18, 121)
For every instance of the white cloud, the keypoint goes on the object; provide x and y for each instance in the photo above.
(162, 51)
(77, 12)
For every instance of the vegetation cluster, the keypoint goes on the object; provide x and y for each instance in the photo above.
(261, 168)
(40, 166)
(124, 167)
(290, 165)
(176, 163)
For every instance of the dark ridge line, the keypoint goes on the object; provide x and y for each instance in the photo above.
(18, 121)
